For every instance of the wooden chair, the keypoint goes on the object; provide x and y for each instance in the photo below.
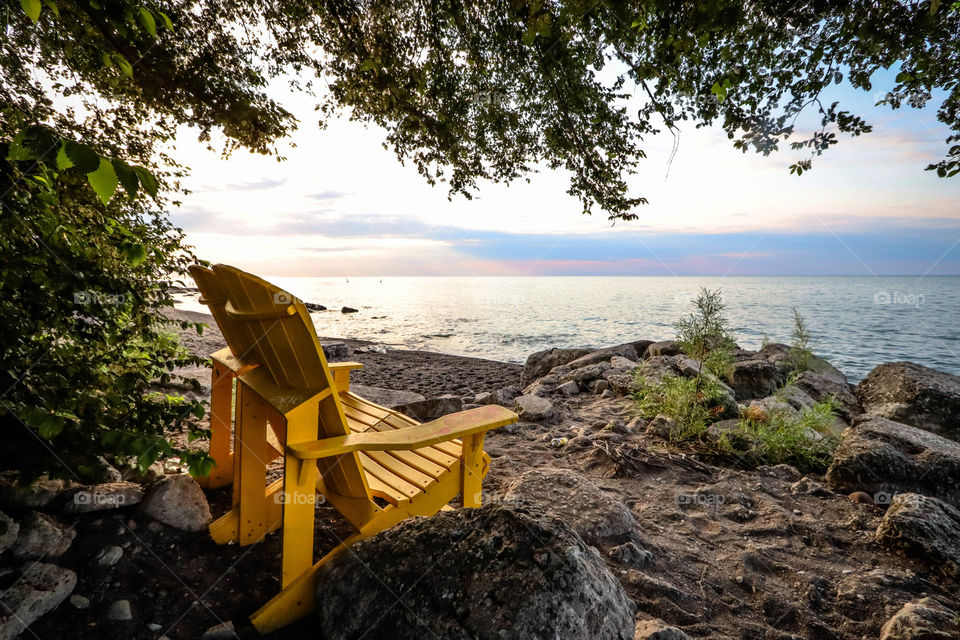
(375, 466)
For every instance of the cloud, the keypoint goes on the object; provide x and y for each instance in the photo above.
(256, 185)
(327, 195)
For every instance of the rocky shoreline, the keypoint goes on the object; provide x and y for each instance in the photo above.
(590, 508)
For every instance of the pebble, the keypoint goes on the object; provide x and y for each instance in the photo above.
(119, 611)
(110, 556)
(79, 601)
(153, 626)
(797, 512)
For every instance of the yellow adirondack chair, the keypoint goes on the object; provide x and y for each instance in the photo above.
(375, 466)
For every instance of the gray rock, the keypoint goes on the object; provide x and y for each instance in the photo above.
(222, 631)
(389, 398)
(431, 408)
(882, 457)
(599, 386)
(631, 555)
(540, 363)
(79, 602)
(915, 395)
(334, 351)
(37, 495)
(43, 536)
(514, 569)
(119, 611)
(38, 589)
(663, 427)
(587, 373)
(504, 397)
(624, 351)
(821, 386)
(729, 431)
(313, 306)
(533, 408)
(347, 310)
(664, 348)
(100, 497)
(924, 619)
(110, 556)
(795, 397)
(178, 501)
(756, 378)
(9, 528)
(570, 388)
(657, 630)
(924, 527)
(623, 384)
(621, 362)
(809, 486)
(598, 518)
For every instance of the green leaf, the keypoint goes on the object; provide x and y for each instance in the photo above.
(104, 180)
(904, 76)
(146, 19)
(34, 143)
(166, 21)
(31, 8)
(719, 90)
(128, 177)
(135, 254)
(63, 162)
(124, 65)
(53, 7)
(48, 426)
(83, 157)
(147, 180)
(198, 411)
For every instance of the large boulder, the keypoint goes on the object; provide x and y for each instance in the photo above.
(882, 457)
(178, 501)
(389, 398)
(43, 536)
(663, 348)
(597, 517)
(627, 351)
(915, 395)
(431, 408)
(484, 573)
(9, 529)
(821, 385)
(540, 363)
(33, 592)
(755, 378)
(923, 527)
(100, 497)
(36, 495)
(925, 619)
(533, 408)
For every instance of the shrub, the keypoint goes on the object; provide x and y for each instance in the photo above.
(800, 356)
(691, 403)
(705, 337)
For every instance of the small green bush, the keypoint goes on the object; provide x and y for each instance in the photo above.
(800, 357)
(704, 335)
(787, 437)
(693, 406)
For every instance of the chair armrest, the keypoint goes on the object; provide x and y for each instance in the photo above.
(450, 427)
(334, 366)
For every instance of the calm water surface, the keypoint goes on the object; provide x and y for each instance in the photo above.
(856, 322)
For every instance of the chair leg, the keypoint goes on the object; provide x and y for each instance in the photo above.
(299, 495)
(221, 395)
(253, 451)
(471, 470)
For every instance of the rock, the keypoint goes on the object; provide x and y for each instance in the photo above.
(431, 408)
(516, 571)
(503, 397)
(730, 432)
(348, 310)
(821, 386)
(924, 527)
(915, 395)
(570, 388)
(43, 536)
(79, 602)
(334, 351)
(110, 556)
(119, 611)
(795, 397)
(623, 384)
(37, 590)
(623, 351)
(313, 306)
(222, 631)
(111, 495)
(809, 486)
(540, 363)
(178, 501)
(663, 427)
(621, 362)
(598, 518)
(533, 408)
(664, 348)
(756, 378)
(599, 386)
(880, 456)
(657, 630)
(389, 398)
(924, 619)
(153, 473)
(631, 555)
(8, 531)
(585, 374)
(37, 495)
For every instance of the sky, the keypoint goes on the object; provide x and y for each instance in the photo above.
(342, 205)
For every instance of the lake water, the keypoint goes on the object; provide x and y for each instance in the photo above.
(856, 322)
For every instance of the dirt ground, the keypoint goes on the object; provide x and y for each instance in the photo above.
(736, 554)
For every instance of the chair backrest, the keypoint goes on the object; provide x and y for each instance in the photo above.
(266, 326)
